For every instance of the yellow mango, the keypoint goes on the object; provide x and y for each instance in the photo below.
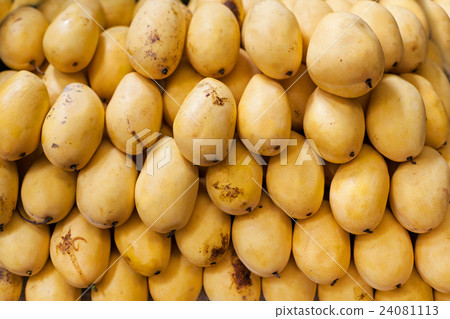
(71, 39)
(415, 289)
(120, 283)
(264, 115)
(385, 257)
(396, 119)
(208, 112)
(351, 287)
(146, 251)
(79, 251)
(73, 127)
(163, 205)
(235, 185)
(105, 187)
(417, 210)
(217, 56)
(278, 57)
(433, 53)
(110, 62)
(345, 56)
(156, 38)
(10, 285)
(262, 234)
(292, 285)
(118, 12)
(49, 285)
(23, 104)
(321, 248)
(180, 281)
(306, 180)
(335, 124)
(359, 192)
(9, 190)
(21, 35)
(48, 192)
(230, 280)
(24, 246)
(432, 259)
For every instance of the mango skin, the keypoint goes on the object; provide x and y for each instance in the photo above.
(21, 49)
(120, 283)
(415, 289)
(262, 234)
(230, 280)
(156, 38)
(79, 251)
(178, 86)
(306, 181)
(277, 57)
(205, 238)
(339, 135)
(432, 260)
(166, 208)
(9, 190)
(118, 12)
(217, 56)
(24, 102)
(109, 63)
(422, 213)
(385, 257)
(73, 127)
(48, 192)
(31, 240)
(396, 129)
(181, 281)
(49, 285)
(135, 108)
(208, 112)
(146, 251)
(315, 260)
(351, 287)
(63, 37)
(440, 296)
(359, 192)
(292, 285)
(235, 189)
(10, 285)
(264, 114)
(350, 67)
(56, 81)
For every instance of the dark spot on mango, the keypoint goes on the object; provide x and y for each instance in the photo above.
(1, 227)
(249, 209)
(157, 272)
(334, 282)
(171, 233)
(395, 64)
(55, 145)
(410, 159)
(289, 73)
(164, 71)
(233, 7)
(222, 71)
(445, 143)
(276, 274)
(63, 122)
(228, 193)
(309, 214)
(154, 36)
(241, 275)
(29, 272)
(260, 206)
(368, 231)
(369, 83)
(22, 154)
(218, 252)
(114, 224)
(340, 60)
(430, 229)
(276, 148)
(213, 263)
(413, 71)
(352, 154)
(215, 160)
(399, 285)
(94, 287)
(74, 167)
(75, 64)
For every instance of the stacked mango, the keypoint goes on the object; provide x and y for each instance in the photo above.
(285, 150)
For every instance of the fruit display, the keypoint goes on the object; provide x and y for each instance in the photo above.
(225, 150)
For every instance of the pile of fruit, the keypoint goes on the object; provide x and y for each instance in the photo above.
(285, 150)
